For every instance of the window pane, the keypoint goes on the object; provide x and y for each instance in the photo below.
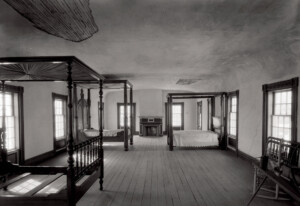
(284, 97)
(275, 121)
(60, 118)
(287, 122)
(277, 98)
(280, 122)
(289, 109)
(283, 109)
(275, 132)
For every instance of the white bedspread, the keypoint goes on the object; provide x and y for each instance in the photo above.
(195, 138)
(111, 133)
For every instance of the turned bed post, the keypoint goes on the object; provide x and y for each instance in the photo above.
(170, 109)
(3, 135)
(101, 153)
(89, 108)
(82, 107)
(213, 108)
(75, 112)
(131, 116)
(225, 119)
(70, 170)
(125, 118)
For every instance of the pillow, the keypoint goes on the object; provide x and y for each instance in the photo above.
(216, 122)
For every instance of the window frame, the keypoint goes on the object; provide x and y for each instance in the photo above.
(291, 84)
(60, 141)
(134, 115)
(17, 155)
(182, 115)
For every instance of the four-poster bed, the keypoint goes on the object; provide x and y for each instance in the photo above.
(59, 185)
(198, 138)
(117, 135)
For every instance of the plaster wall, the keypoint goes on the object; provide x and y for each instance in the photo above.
(38, 116)
(249, 83)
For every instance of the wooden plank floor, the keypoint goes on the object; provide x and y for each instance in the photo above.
(150, 175)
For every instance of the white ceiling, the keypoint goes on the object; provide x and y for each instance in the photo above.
(153, 43)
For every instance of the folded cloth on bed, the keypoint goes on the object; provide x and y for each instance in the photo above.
(195, 138)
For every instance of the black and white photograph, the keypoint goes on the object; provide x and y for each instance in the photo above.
(149, 102)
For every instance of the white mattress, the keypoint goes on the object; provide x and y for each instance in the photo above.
(195, 138)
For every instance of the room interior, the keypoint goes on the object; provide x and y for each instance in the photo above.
(248, 50)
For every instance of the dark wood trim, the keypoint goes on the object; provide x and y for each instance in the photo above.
(287, 84)
(199, 111)
(65, 99)
(68, 60)
(192, 97)
(40, 158)
(117, 81)
(125, 118)
(21, 147)
(89, 108)
(132, 115)
(185, 95)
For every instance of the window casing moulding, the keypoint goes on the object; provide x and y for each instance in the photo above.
(282, 85)
(20, 151)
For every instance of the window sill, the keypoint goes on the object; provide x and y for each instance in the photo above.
(9, 152)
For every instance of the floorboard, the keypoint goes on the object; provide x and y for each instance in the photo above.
(150, 175)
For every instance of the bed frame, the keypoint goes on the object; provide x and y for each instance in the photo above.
(85, 160)
(112, 84)
(210, 95)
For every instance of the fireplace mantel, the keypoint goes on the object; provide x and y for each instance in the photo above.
(150, 125)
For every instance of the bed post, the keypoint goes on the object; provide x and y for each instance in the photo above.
(89, 108)
(71, 171)
(125, 118)
(212, 113)
(225, 118)
(131, 116)
(3, 132)
(75, 112)
(101, 153)
(82, 107)
(223, 121)
(167, 120)
(170, 109)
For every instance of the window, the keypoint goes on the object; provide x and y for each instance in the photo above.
(177, 116)
(60, 117)
(233, 115)
(11, 119)
(280, 110)
(281, 123)
(121, 115)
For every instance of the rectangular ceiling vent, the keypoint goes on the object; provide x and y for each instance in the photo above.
(187, 81)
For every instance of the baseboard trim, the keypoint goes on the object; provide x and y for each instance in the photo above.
(40, 158)
(247, 157)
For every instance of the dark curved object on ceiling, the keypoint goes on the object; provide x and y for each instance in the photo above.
(69, 19)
